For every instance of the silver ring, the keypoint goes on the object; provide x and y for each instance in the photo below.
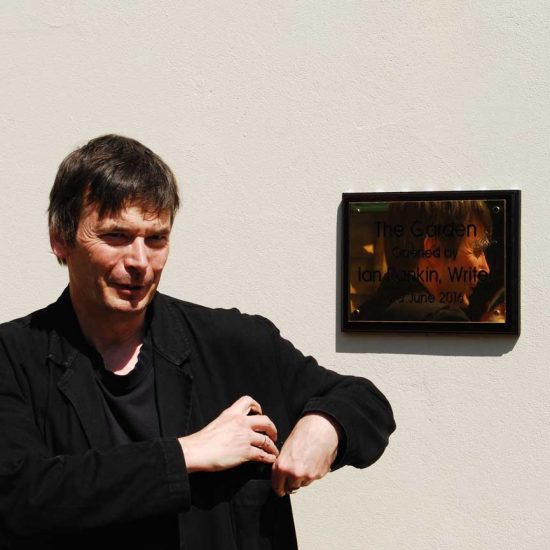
(263, 442)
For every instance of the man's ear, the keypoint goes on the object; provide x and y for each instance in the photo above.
(59, 248)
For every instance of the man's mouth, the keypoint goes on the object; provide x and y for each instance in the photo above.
(130, 287)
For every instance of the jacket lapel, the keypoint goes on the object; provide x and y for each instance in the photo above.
(77, 383)
(173, 377)
(173, 386)
(79, 386)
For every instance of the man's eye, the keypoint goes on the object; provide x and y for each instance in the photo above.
(481, 247)
(479, 251)
(157, 239)
(114, 237)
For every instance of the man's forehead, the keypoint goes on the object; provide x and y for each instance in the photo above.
(129, 213)
(474, 227)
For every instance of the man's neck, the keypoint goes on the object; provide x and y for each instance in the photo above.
(116, 336)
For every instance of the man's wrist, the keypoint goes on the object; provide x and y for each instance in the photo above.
(331, 427)
(189, 454)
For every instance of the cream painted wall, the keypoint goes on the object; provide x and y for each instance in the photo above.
(268, 111)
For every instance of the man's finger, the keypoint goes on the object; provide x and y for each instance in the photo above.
(246, 405)
(262, 423)
(260, 455)
(292, 485)
(278, 481)
(262, 441)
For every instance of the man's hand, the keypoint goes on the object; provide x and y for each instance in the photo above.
(231, 439)
(307, 454)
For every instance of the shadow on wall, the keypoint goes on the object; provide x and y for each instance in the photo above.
(466, 345)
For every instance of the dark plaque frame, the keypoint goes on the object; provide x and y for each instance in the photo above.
(493, 300)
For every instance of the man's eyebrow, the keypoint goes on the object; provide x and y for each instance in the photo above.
(483, 242)
(114, 227)
(162, 231)
(117, 226)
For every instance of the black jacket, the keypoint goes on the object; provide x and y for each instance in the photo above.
(61, 486)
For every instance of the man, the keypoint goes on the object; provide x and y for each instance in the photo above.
(129, 417)
(435, 261)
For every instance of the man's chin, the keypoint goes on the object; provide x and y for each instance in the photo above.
(466, 298)
(131, 300)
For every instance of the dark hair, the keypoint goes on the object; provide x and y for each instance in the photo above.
(110, 172)
(418, 218)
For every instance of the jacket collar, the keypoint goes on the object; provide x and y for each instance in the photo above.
(168, 330)
(65, 336)
(168, 333)
(173, 379)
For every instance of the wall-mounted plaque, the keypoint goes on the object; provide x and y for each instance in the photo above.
(431, 261)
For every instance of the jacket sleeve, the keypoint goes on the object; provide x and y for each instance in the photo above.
(361, 410)
(41, 493)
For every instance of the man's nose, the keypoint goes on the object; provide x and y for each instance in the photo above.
(137, 254)
(484, 264)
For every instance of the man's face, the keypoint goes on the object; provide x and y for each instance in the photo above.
(116, 262)
(461, 275)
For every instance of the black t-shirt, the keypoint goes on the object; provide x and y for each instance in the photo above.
(129, 400)
(130, 409)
